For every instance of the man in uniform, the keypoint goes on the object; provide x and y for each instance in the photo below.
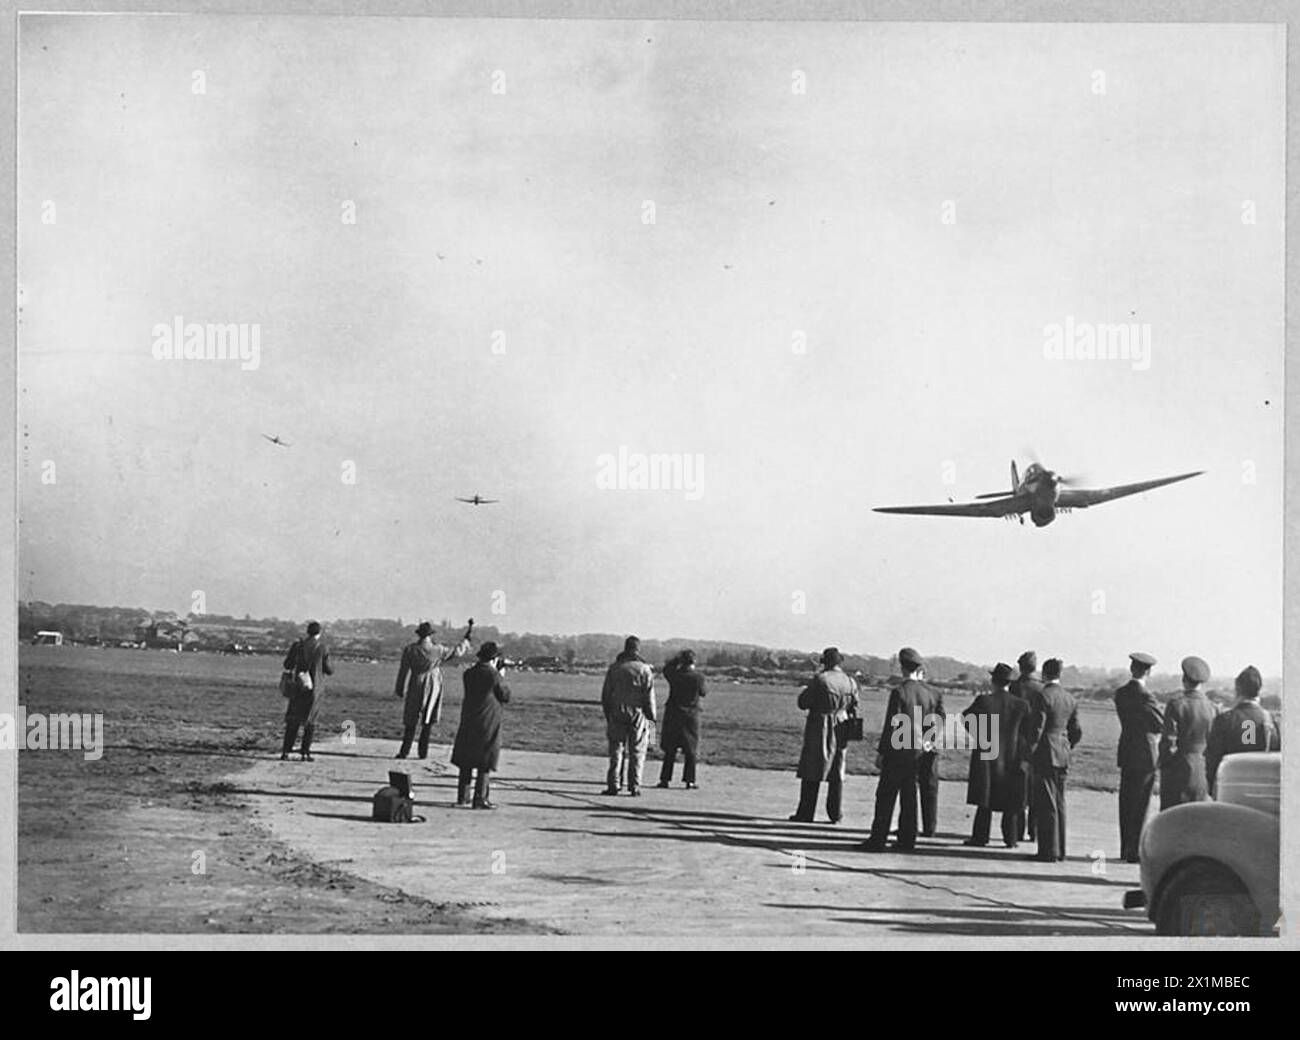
(829, 699)
(927, 778)
(1244, 727)
(1188, 718)
(1140, 722)
(911, 704)
(1023, 686)
(1052, 731)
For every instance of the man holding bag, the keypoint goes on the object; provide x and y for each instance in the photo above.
(303, 683)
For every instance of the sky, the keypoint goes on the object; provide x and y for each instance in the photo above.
(818, 259)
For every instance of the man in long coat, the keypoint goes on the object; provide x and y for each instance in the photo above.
(628, 700)
(478, 737)
(912, 713)
(419, 683)
(681, 726)
(1025, 686)
(829, 699)
(997, 779)
(1051, 734)
(310, 656)
(1246, 726)
(1188, 718)
(1140, 723)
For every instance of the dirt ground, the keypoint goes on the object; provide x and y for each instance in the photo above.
(136, 844)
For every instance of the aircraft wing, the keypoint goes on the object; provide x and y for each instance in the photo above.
(469, 500)
(1008, 506)
(1079, 498)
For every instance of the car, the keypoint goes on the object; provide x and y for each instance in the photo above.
(1212, 867)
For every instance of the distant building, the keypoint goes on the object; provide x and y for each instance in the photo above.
(163, 633)
(47, 639)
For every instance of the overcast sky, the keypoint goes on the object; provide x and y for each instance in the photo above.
(1087, 173)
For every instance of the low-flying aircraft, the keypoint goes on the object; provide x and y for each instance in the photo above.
(276, 440)
(477, 501)
(1042, 493)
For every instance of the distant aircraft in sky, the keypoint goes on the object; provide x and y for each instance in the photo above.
(276, 440)
(477, 501)
(1042, 494)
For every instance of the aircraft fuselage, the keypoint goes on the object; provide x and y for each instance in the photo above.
(1043, 487)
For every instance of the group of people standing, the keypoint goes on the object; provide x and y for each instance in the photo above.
(627, 699)
(1037, 726)
(477, 750)
(1021, 776)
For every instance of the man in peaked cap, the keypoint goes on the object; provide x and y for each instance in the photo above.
(1246, 726)
(899, 753)
(1186, 732)
(1140, 723)
(1024, 687)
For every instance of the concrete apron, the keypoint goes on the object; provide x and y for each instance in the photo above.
(719, 861)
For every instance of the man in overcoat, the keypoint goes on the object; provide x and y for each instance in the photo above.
(307, 656)
(1024, 686)
(828, 699)
(681, 725)
(997, 779)
(419, 684)
(478, 737)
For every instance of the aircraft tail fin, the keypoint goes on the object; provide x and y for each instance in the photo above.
(1015, 485)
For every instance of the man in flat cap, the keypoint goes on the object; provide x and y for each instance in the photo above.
(1140, 723)
(1051, 733)
(1023, 686)
(1246, 726)
(1186, 733)
(419, 684)
(997, 781)
(628, 701)
(829, 699)
(912, 711)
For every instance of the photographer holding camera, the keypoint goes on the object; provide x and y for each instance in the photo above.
(478, 737)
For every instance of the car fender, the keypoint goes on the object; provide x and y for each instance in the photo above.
(1242, 840)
